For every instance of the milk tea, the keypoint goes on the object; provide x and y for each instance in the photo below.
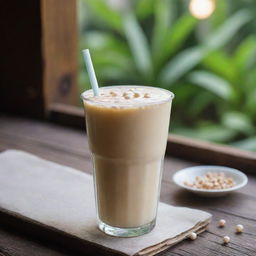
(127, 129)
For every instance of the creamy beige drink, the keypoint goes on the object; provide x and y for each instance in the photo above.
(127, 128)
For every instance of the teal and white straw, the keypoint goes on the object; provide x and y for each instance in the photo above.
(91, 73)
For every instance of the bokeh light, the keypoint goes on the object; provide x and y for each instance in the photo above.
(201, 9)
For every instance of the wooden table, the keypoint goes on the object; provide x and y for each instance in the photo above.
(69, 147)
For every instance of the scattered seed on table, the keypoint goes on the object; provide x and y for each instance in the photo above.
(193, 236)
(222, 223)
(226, 239)
(239, 228)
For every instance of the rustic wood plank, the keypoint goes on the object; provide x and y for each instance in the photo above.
(17, 244)
(210, 242)
(232, 208)
(41, 237)
(211, 153)
(69, 146)
(72, 116)
(59, 30)
(48, 141)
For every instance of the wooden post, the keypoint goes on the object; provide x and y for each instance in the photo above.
(59, 26)
(38, 55)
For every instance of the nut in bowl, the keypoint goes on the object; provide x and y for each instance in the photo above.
(210, 181)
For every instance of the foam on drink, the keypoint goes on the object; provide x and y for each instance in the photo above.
(127, 96)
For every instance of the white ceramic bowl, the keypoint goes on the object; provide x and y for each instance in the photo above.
(189, 175)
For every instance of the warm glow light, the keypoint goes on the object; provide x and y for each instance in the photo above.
(201, 9)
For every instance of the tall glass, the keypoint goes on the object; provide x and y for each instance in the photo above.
(127, 142)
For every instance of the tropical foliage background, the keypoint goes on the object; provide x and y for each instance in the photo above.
(210, 64)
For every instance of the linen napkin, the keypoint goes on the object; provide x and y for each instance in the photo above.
(62, 198)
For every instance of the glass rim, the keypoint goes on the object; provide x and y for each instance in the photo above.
(170, 94)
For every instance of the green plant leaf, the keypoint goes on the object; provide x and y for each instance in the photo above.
(226, 32)
(246, 144)
(163, 15)
(244, 51)
(100, 40)
(144, 8)
(138, 44)
(104, 12)
(183, 92)
(179, 65)
(212, 83)
(189, 58)
(215, 133)
(238, 121)
(220, 14)
(178, 34)
(106, 50)
(219, 63)
(250, 104)
(114, 75)
(199, 103)
(111, 58)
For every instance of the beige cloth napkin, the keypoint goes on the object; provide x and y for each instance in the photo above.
(63, 198)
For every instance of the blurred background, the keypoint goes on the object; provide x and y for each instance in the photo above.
(204, 51)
